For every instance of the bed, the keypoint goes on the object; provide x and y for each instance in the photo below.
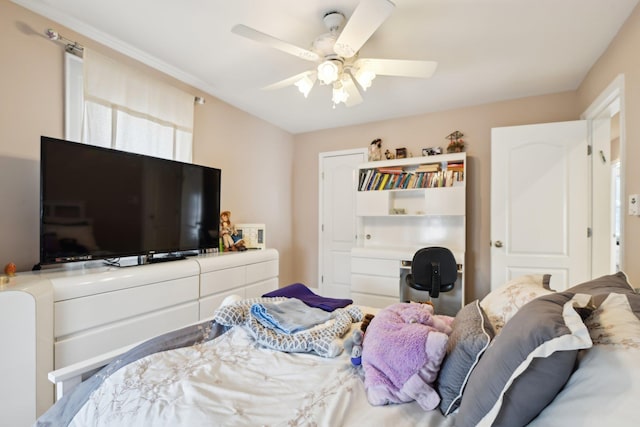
(523, 355)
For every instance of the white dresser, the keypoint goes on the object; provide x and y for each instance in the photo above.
(26, 355)
(53, 318)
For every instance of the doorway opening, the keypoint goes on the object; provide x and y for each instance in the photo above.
(606, 128)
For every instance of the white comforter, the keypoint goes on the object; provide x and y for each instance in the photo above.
(232, 381)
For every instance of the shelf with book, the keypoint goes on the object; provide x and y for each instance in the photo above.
(415, 186)
(403, 205)
(423, 172)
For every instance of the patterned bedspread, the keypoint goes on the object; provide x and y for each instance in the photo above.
(233, 380)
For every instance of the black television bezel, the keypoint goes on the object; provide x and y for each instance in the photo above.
(145, 255)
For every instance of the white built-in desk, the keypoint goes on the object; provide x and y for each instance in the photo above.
(52, 318)
(378, 274)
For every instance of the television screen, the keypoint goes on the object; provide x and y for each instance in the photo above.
(100, 203)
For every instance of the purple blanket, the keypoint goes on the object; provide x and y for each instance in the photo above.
(304, 294)
(402, 351)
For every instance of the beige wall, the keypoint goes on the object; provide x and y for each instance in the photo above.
(30, 106)
(622, 58)
(414, 133)
(255, 156)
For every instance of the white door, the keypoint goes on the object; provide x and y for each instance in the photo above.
(540, 203)
(337, 220)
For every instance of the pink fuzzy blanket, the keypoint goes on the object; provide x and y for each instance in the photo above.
(402, 351)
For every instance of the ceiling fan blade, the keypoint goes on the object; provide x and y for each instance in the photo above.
(365, 20)
(289, 81)
(355, 97)
(260, 37)
(398, 67)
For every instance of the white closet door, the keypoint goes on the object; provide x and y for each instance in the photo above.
(337, 221)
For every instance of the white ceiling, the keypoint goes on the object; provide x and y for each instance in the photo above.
(487, 50)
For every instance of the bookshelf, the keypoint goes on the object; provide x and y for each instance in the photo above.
(403, 205)
(412, 176)
(433, 185)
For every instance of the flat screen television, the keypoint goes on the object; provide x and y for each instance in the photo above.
(100, 203)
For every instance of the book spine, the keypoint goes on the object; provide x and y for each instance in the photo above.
(393, 170)
(383, 181)
(361, 177)
(372, 181)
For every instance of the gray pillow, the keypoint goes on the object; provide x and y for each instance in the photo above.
(634, 303)
(472, 333)
(616, 283)
(601, 287)
(527, 364)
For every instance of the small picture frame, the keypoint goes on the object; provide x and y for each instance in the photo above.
(254, 235)
(401, 153)
(431, 151)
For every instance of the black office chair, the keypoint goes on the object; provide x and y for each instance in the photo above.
(433, 269)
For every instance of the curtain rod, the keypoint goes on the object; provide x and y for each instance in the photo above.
(77, 49)
(71, 46)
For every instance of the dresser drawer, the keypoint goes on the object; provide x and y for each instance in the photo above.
(376, 266)
(209, 304)
(258, 289)
(375, 301)
(79, 314)
(222, 280)
(387, 286)
(100, 340)
(262, 271)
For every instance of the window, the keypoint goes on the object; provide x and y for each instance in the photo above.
(110, 105)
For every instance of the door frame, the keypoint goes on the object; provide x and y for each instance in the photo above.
(612, 97)
(321, 157)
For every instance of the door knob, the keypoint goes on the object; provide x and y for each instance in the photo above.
(498, 244)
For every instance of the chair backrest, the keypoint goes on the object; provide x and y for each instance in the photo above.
(433, 269)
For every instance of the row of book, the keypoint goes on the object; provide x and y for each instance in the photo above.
(379, 179)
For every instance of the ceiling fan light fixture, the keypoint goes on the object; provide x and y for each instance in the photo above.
(335, 54)
(329, 71)
(305, 84)
(364, 77)
(339, 94)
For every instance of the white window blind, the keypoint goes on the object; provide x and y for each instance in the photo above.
(126, 110)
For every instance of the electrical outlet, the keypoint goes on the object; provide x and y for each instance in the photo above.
(634, 204)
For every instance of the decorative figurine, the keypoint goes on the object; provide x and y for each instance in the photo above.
(389, 155)
(375, 150)
(10, 269)
(456, 144)
(230, 239)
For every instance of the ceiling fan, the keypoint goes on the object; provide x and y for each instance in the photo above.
(336, 54)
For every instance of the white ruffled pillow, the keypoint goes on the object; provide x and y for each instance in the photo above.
(501, 304)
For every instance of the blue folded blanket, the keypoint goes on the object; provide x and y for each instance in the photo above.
(304, 294)
(289, 316)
